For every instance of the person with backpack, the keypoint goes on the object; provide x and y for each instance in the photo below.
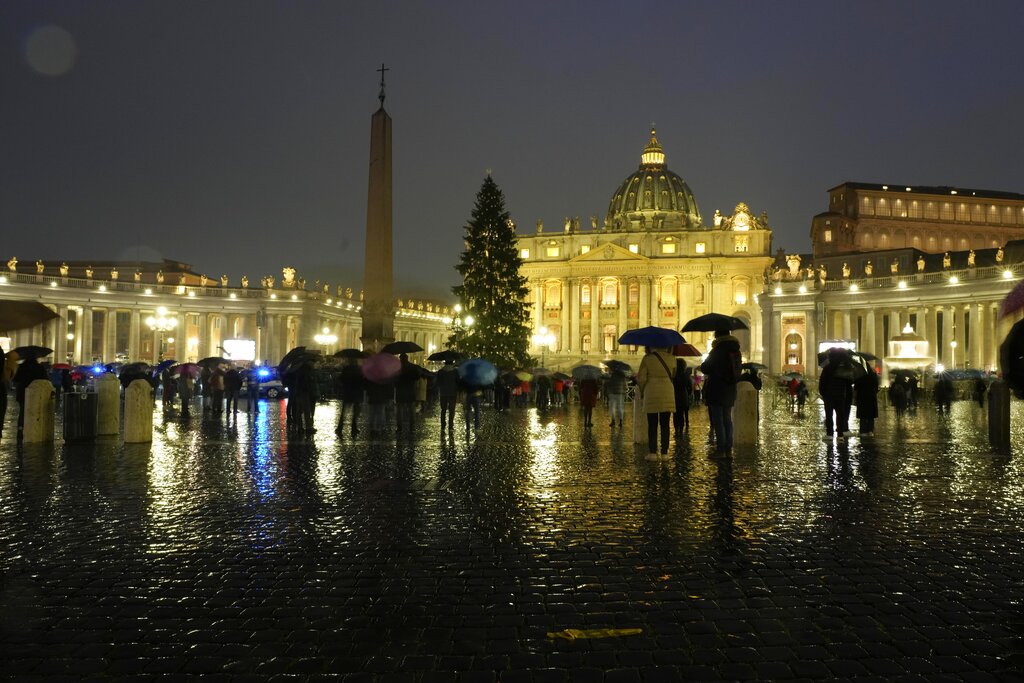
(721, 371)
(654, 381)
(836, 388)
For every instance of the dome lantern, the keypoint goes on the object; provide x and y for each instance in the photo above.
(653, 156)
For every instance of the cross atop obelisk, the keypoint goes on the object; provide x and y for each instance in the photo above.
(378, 313)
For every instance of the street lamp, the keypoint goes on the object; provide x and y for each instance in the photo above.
(162, 323)
(952, 354)
(325, 338)
(543, 338)
(459, 322)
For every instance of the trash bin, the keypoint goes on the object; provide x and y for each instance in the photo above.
(80, 415)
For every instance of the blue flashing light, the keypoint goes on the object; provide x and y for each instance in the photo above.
(263, 372)
(97, 369)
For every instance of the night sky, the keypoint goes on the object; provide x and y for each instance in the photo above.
(235, 135)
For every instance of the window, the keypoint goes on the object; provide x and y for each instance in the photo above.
(667, 291)
(609, 338)
(634, 294)
(524, 253)
(668, 248)
(553, 294)
(552, 252)
(585, 295)
(740, 293)
(635, 248)
(742, 243)
(827, 235)
(698, 294)
(699, 248)
(609, 293)
(585, 249)
(585, 343)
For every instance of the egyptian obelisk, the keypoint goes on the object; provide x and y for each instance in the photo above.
(378, 311)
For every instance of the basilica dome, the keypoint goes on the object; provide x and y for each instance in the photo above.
(653, 197)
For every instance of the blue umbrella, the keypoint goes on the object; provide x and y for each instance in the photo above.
(477, 372)
(163, 365)
(658, 337)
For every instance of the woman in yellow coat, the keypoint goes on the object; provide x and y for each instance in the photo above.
(654, 380)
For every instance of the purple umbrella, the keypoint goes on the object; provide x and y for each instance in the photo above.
(1013, 302)
(381, 368)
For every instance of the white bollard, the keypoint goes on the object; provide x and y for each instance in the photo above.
(38, 407)
(744, 414)
(138, 412)
(108, 407)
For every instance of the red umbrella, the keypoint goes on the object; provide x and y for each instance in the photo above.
(686, 350)
(190, 369)
(1013, 302)
(381, 368)
(60, 366)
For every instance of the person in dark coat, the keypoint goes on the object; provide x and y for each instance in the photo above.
(865, 397)
(405, 393)
(29, 371)
(683, 384)
(721, 371)
(836, 393)
(943, 392)
(351, 387)
(304, 393)
(543, 384)
(447, 380)
(589, 391)
(898, 395)
(379, 397)
(3, 390)
(979, 391)
(232, 387)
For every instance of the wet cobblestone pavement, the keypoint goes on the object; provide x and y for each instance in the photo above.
(236, 554)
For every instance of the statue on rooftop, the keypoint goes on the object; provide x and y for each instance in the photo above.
(245, 282)
(64, 269)
(12, 264)
(114, 274)
(1000, 255)
(920, 264)
(970, 259)
(40, 267)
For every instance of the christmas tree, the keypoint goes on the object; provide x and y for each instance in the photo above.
(493, 322)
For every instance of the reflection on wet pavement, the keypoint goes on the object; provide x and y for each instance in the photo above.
(233, 549)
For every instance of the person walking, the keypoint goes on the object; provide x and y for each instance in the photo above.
(943, 392)
(898, 396)
(721, 371)
(405, 394)
(589, 391)
(865, 398)
(252, 390)
(654, 381)
(682, 383)
(447, 381)
(351, 387)
(836, 389)
(543, 392)
(186, 386)
(979, 391)
(615, 390)
(29, 371)
(474, 396)
(217, 390)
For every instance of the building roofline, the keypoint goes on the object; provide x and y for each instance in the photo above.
(938, 190)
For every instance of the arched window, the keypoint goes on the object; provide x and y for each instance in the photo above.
(585, 343)
(553, 294)
(609, 293)
(585, 295)
(739, 293)
(609, 337)
(667, 293)
(794, 349)
(634, 293)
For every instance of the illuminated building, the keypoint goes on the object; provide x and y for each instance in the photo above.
(940, 259)
(651, 261)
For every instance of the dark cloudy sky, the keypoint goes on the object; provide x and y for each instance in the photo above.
(234, 135)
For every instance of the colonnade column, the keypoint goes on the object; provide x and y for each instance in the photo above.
(133, 335)
(811, 346)
(573, 333)
(595, 294)
(932, 327)
(947, 334)
(203, 348)
(563, 328)
(977, 336)
(846, 331)
(869, 343)
(775, 343)
(86, 330)
(645, 302)
(60, 335)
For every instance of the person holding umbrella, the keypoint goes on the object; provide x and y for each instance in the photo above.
(232, 387)
(865, 397)
(721, 372)
(654, 380)
(351, 387)
(447, 381)
(683, 385)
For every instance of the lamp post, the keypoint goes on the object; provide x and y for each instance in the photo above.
(952, 354)
(162, 323)
(459, 322)
(543, 338)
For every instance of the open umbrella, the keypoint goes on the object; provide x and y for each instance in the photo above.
(139, 366)
(523, 375)
(163, 365)
(712, 322)
(381, 368)
(582, 372)
(397, 347)
(60, 366)
(26, 352)
(870, 357)
(212, 362)
(446, 355)
(659, 337)
(686, 350)
(560, 375)
(477, 372)
(20, 315)
(1011, 359)
(619, 366)
(1013, 302)
(753, 366)
(351, 353)
(291, 356)
(190, 369)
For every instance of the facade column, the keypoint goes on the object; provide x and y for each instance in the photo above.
(933, 331)
(846, 331)
(776, 344)
(895, 325)
(595, 311)
(86, 330)
(202, 348)
(109, 334)
(977, 336)
(563, 328)
(134, 332)
(60, 335)
(573, 333)
(948, 315)
(538, 306)
(811, 343)
(645, 302)
(623, 320)
(870, 342)
(922, 322)
(992, 337)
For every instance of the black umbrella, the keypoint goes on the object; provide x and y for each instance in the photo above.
(291, 357)
(398, 347)
(619, 366)
(212, 362)
(26, 352)
(137, 367)
(20, 315)
(753, 366)
(1011, 359)
(351, 353)
(712, 322)
(866, 356)
(446, 355)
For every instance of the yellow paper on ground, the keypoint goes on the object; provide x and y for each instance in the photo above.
(576, 633)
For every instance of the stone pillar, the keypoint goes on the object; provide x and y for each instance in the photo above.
(108, 405)
(595, 314)
(922, 322)
(846, 332)
(272, 349)
(623, 321)
(85, 331)
(563, 327)
(138, 412)
(134, 335)
(870, 344)
(378, 308)
(110, 334)
(776, 343)
(60, 335)
(811, 346)
(645, 302)
(745, 417)
(38, 407)
(948, 315)
(977, 313)
(574, 316)
(933, 332)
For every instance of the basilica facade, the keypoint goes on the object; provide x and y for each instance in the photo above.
(652, 261)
